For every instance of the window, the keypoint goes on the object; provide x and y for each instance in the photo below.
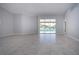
(47, 25)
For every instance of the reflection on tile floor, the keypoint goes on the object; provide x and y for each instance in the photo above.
(47, 38)
(43, 44)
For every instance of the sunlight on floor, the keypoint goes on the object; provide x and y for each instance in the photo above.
(47, 38)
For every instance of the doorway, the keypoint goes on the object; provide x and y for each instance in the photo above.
(47, 25)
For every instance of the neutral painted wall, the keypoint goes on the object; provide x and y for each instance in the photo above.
(25, 24)
(17, 24)
(72, 19)
(60, 24)
(6, 23)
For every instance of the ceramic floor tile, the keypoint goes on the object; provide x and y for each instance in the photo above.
(43, 44)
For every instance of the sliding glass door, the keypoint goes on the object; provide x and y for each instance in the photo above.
(47, 25)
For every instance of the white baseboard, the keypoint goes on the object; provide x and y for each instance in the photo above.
(6, 35)
(16, 34)
(74, 38)
(60, 33)
(23, 33)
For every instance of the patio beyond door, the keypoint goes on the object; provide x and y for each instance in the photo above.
(47, 25)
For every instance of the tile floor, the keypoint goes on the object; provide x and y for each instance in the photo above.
(43, 44)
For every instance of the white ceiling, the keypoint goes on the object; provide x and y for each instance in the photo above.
(37, 8)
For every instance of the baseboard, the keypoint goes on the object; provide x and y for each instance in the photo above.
(59, 33)
(16, 34)
(23, 33)
(6, 35)
(74, 38)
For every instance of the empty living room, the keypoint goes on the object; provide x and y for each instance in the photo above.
(39, 28)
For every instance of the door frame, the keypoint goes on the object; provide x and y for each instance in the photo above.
(39, 25)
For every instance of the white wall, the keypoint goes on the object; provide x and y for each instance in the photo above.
(17, 24)
(72, 18)
(25, 24)
(60, 24)
(6, 23)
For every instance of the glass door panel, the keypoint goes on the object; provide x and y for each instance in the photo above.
(47, 25)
